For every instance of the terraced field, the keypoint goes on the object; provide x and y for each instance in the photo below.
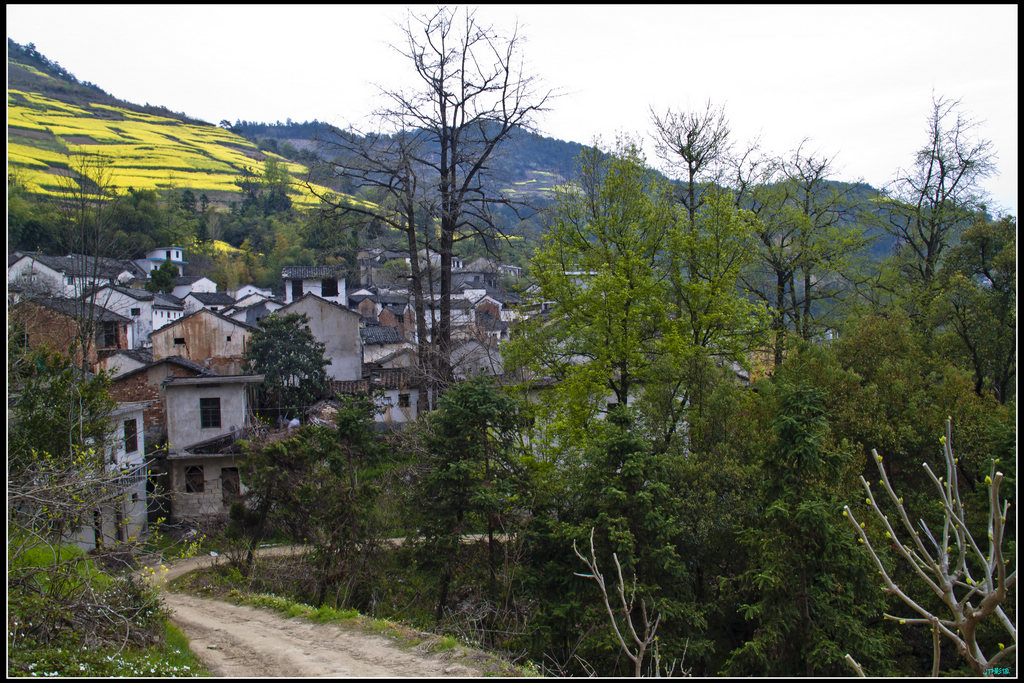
(143, 151)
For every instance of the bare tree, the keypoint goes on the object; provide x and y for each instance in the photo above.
(637, 650)
(85, 199)
(934, 200)
(696, 141)
(473, 94)
(971, 583)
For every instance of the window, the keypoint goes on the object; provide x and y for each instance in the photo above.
(296, 289)
(168, 255)
(403, 400)
(195, 480)
(329, 288)
(179, 340)
(136, 312)
(106, 338)
(131, 436)
(229, 337)
(209, 412)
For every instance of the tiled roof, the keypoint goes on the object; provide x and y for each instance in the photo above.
(75, 309)
(311, 272)
(161, 300)
(381, 334)
(86, 266)
(213, 298)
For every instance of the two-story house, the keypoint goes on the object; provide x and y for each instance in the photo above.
(327, 282)
(67, 276)
(121, 514)
(205, 418)
(156, 257)
(57, 323)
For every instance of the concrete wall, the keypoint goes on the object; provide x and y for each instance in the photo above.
(210, 503)
(183, 420)
(338, 329)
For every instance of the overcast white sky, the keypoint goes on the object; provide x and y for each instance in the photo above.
(856, 80)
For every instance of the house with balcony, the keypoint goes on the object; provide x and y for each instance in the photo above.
(206, 416)
(327, 282)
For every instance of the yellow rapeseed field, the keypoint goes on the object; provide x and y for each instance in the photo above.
(141, 151)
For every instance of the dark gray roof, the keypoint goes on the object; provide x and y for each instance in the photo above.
(186, 280)
(161, 300)
(75, 308)
(85, 266)
(381, 334)
(311, 272)
(213, 298)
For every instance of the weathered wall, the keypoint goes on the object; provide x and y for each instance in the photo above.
(338, 329)
(210, 503)
(210, 340)
(184, 427)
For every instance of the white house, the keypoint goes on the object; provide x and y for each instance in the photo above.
(185, 284)
(121, 515)
(217, 302)
(327, 282)
(205, 418)
(66, 276)
(156, 257)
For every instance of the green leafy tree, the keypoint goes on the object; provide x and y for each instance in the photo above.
(292, 363)
(812, 598)
(977, 304)
(162, 279)
(470, 480)
(320, 487)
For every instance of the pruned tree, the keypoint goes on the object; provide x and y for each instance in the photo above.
(972, 584)
(642, 640)
(697, 142)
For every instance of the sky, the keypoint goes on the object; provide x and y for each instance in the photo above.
(855, 81)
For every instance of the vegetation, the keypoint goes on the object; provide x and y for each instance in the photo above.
(658, 482)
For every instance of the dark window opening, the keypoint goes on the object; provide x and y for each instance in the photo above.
(329, 288)
(108, 336)
(296, 289)
(229, 485)
(403, 400)
(195, 480)
(131, 436)
(179, 340)
(209, 412)
(136, 311)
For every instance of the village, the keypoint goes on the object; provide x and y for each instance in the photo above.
(176, 361)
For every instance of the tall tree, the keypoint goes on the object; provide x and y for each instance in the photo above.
(978, 304)
(470, 478)
(292, 362)
(934, 201)
(811, 593)
(473, 94)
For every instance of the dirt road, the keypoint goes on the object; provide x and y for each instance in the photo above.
(246, 642)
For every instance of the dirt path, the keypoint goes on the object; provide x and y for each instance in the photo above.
(247, 642)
